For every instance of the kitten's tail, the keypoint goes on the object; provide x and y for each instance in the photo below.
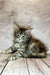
(40, 55)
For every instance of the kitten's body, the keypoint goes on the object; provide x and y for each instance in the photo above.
(25, 46)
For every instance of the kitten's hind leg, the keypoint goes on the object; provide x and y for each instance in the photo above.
(39, 55)
(42, 55)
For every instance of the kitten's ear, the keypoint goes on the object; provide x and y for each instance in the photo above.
(16, 26)
(16, 29)
(28, 31)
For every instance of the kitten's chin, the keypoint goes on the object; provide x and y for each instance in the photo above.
(21, 41)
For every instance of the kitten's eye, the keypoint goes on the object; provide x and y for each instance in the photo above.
(18, 35)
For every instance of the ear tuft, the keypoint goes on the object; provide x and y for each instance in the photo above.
(16, 25)
(28, 31)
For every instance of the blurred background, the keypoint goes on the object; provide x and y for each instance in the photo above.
(34, 13)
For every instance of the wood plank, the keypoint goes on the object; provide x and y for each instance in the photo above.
(47, 60)
(43, 67)
(3, 62)
(33, 67)
(25, 66)
(17, 67)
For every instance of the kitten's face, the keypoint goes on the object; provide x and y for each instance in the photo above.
(21, 37)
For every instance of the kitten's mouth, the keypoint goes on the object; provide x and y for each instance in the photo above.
(21, 41)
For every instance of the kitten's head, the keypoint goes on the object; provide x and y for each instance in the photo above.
(21, 35)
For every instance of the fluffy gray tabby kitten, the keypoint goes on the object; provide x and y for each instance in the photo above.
(25, 45)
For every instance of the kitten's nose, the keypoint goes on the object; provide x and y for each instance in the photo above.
(20, 38)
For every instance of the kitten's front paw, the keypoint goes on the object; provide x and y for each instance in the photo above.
(11, 58)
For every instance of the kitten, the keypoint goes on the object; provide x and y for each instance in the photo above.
(25, 45)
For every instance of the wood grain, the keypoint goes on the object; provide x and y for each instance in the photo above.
(33, 68)
(25, 66)
(3, 62)
(17, 67)
(47, 60)
(43, 67)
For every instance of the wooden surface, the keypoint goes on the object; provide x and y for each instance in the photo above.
(3, 62)
(23, 66)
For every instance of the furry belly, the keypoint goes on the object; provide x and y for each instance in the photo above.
(19, 46)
